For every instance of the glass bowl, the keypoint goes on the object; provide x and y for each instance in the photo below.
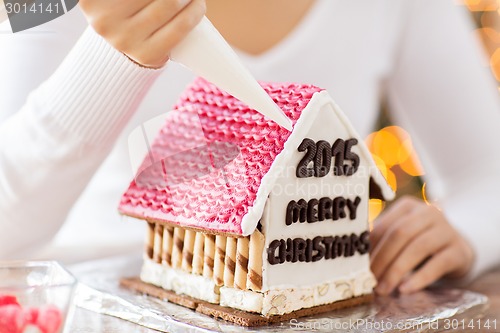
(35, 297)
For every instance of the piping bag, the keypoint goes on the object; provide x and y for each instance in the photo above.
(207, 53)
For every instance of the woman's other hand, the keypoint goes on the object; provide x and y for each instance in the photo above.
(144, 30)
(413, 245)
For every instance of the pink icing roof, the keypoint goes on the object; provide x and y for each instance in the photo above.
(207, 163)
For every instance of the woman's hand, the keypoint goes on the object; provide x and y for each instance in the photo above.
(144, 30)
(414, 245)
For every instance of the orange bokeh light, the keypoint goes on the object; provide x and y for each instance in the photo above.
(481, 5)
(392, 180)
(380, 165)
(489, 34)
(386, 145)
(405, 151)
(392, 146)
(495, 63)
(412, 166)
(375, 207)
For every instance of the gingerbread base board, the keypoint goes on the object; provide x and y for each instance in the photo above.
(235, 316)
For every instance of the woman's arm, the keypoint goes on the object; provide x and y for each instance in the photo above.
(28, 58)
(442, 93)
(50, 148)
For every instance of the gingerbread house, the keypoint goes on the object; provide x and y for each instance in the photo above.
(247, 215)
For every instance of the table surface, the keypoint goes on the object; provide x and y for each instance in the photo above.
(86, 321)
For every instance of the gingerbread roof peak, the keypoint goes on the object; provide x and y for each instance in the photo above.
(209, 167)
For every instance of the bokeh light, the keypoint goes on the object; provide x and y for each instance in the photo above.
(375, 207)
(386, 145)
(486, 13)
(495, 63)
(390, 147)
(482, 5)
(392, 150)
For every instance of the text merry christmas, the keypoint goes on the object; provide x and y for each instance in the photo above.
(311, 250)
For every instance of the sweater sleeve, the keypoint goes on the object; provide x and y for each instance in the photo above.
(50, 148)
(30, 57)
(442, 92)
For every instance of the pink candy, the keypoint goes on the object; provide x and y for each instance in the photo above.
(15, 319)
(49, 319)
(11, 319)
(31, 315)
(8, 300)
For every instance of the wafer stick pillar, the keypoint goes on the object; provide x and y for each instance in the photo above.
(234, 262)
(178, 247)
(187, 251)
(150, 240)
(254, 281)
(241, 272)
(219, 259)
(198, 253)
(168, 242)
(158, 243)
(230, 262)
(208, 256)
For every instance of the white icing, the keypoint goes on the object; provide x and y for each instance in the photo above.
(180, 281)
(152, 272)
(241, 299)
(281, 301)
(271, 302)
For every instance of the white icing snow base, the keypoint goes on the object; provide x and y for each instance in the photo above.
(180, 281)
(271, 302)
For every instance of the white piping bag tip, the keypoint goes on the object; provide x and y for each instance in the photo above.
(206, 53)
(287, 126)
(281, 119)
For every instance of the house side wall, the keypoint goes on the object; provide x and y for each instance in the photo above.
(299, 240)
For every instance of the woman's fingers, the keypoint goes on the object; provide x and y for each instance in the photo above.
(156, 14)
(396, 238)
(414, 253)
(439, 265)
(111, 9)
(398, 210)
(144, 30)
(165, 38)
(413, 234)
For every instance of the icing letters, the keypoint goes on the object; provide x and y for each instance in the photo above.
(312, 250)
(323, 209)
(317, 161)
(296, 211)
(303, 169)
